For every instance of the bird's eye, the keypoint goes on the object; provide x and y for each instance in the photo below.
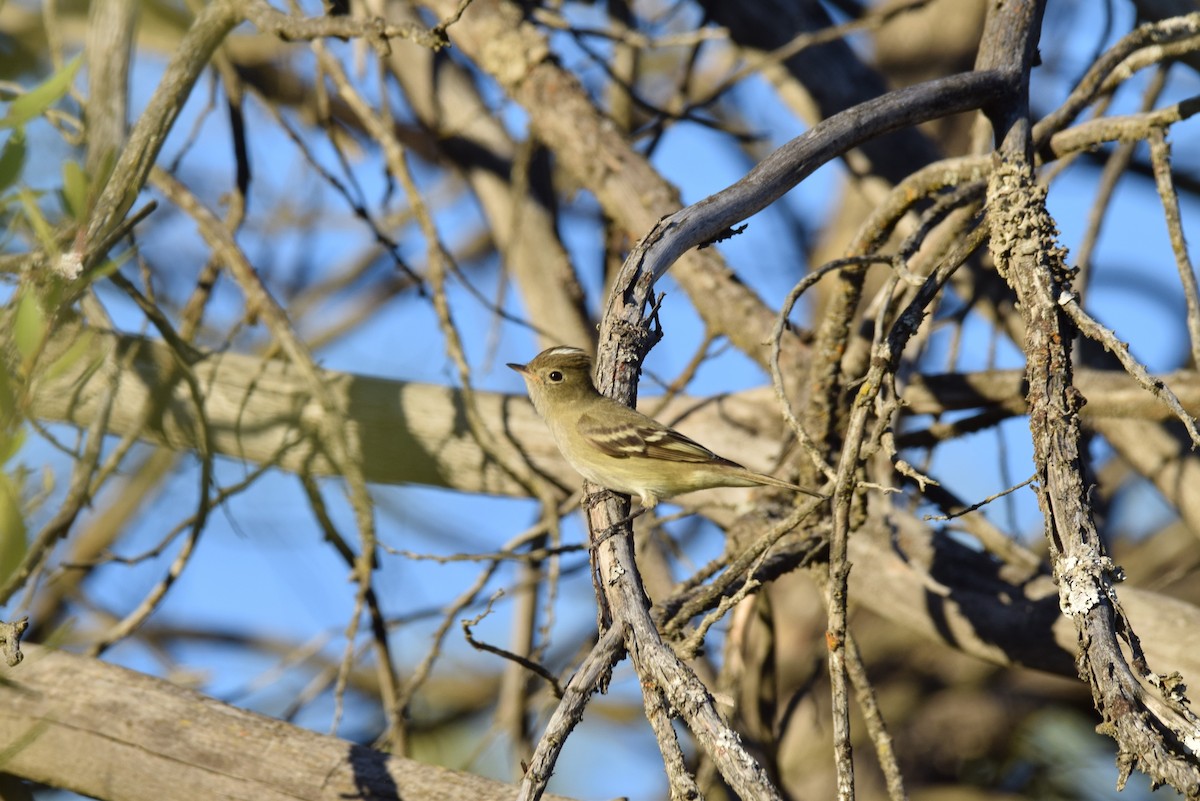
(555, 376)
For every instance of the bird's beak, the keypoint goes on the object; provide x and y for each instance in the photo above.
(523, 369)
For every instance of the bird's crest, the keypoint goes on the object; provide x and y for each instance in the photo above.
(565, 356)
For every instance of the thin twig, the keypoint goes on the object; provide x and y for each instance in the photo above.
(811, 448)
(1097, 80)
(526, 663)
(1092, 329)
(588, 678)
(1160, 157)
(885, 752)
(965, 510)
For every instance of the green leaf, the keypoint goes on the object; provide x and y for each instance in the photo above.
(12, 158)
(75, 190)
(9, 384)
(41, 226)
(34, 103)
(29, 325)
(10, 443)
(13, 542)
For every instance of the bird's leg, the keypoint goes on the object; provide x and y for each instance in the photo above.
(611, 531)
(598, 538)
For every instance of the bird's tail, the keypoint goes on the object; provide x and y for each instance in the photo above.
(771, 481)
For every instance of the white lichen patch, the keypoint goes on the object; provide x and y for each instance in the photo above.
(1080, 583)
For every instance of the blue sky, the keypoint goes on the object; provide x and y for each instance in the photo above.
(262, 568)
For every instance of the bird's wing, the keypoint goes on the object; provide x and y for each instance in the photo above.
(632, 433)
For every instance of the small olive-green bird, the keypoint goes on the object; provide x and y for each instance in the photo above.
(620, 448)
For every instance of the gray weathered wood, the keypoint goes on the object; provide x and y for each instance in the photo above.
(111, 733)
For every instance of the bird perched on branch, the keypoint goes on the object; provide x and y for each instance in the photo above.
(619, 448)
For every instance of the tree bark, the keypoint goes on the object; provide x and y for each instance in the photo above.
(110, 733)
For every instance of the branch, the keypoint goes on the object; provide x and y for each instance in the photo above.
(420, 423)
(625, 338)
(261, 411)
(787, 166)
(376, 30)
(192, 56)
(1157, 738)
(160, 742)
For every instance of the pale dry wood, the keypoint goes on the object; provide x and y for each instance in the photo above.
(262, 411)
(108, 49)
(906, 572)
(243, 416)
(156, 741)
(664, 677)
(947, 593)
(1109, 393)
(445, 99)
(625, 337)
(413, 434)
(1145, 42)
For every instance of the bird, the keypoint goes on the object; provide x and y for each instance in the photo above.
(620, 448)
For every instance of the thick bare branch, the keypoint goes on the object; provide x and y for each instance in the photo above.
(1154, 740)
(157, 741)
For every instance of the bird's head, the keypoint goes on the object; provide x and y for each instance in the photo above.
(557, 375)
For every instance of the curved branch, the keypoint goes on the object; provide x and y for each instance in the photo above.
(781, 171)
